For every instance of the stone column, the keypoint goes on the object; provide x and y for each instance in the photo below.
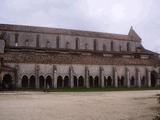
(149, 78)
(37, 75)
(18, 82)
(115, 77)
(138, 79)
(71, 76)
(54, 76)
(86, 77)
(128, 78)
(101, 74)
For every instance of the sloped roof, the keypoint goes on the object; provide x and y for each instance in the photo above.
(132, 36)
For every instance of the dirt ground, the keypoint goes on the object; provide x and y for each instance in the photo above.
(126, 105)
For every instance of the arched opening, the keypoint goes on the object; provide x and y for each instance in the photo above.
(96, 81)
(119, 81)
(105, 81)
(109, 81)
(122, 81)
(24, 81)
(7, 82)
(32, 83)
(81, 81)
(48, 82)
(75, 81)
(91, 81)
(59, 82)
(41, 82)
(153, 78)
(143, 81)
(128, 47)
(132, 81)
(66, 81)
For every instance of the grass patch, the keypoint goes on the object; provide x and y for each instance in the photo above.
(88, 89)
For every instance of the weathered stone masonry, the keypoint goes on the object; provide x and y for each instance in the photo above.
(38, 57)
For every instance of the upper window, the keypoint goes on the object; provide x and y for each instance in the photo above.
(104, 47)
(86, 46)
(57, 41)
(67, 45)
(37, 40)
(47, 44)
(128, 47)
(112, 46)
(27, 43)
(16, 39)
(95, 44)
(77, 43)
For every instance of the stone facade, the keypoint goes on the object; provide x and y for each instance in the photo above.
(38, 57)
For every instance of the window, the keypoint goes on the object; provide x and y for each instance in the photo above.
(112, 46)
(57, 41)
(47, 44)
(37, 40)
(67, 45)
(95, 44)
(104, 47)
(16, 39)
(27, 43)
(120, 48)
(128, 47)
(77, 43)
(86, 46)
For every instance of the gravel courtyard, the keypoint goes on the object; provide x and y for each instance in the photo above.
(127, 105)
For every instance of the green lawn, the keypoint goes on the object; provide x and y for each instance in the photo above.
(89, 89)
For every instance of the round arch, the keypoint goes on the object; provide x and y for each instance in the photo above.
(81, 81)
(153, 78)
(66, 81)
(32, 82)
(143, 81)
(96, 81)
(91, 81)
(132, 81)
(75, 81)
(41, 82)
(109, 81)
(7, 82)
(25, 81)
(49, 81)
(59, 82)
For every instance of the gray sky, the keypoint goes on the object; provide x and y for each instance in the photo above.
(113, 16)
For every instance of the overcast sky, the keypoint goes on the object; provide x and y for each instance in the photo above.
(113, 16)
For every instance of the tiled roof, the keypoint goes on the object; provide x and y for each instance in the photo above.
(132, 36)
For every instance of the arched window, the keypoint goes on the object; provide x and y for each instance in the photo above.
(128, 47)
(37, 41)
(16, 39)
(48, 44)
(77, 43)
(67, 45)
(104, 47)
(112, 46)
(95, 44)
(86, 46)
(57, 41)
(27, 43)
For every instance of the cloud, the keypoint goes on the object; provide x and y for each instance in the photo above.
(115, 16)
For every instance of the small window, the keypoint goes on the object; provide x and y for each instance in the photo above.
(86, 46)
(27, 43)
(104, 47)
(95, 44)
(37, 40)
(47, 44)
(67, 45)
(57, 41)
(16, 39)
(128, 47)
(112, 46)
(77, 43)
(120, 48)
